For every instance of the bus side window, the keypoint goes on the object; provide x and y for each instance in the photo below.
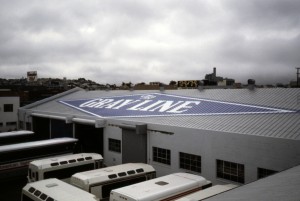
(80, 159)
(43, 196)
(140, 170)
(31, 189)
(36, 176)
(37, 193)
(50, 199)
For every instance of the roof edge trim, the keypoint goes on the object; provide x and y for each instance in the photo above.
(76, 89)
(48, 116)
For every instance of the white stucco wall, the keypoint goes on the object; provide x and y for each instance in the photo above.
(252, 151)
(110, 157)
(9, 116)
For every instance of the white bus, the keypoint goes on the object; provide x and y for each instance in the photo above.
(206, 193)
(54, 190)
(13, 137)
(101, 181)
(63, 167)
(14, 158)
(164, 188)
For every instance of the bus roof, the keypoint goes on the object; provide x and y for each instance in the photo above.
(110, 173)
(15, 133)
(161, 187)
(208, 192)
(28, 145)
(45, 163)
(58, 190)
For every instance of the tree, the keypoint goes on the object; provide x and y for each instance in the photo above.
(172, 82)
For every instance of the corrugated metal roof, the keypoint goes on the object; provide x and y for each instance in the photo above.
(284, 125)
(281, 186)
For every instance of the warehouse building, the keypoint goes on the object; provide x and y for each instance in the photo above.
(226, 135)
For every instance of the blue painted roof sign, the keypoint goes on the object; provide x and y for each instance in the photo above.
(155, 104)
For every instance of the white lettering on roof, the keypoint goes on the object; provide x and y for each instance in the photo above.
(142, 105)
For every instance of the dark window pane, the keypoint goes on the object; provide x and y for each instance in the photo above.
(8, 108)
(161, 155)
(190, 162)
(230, 171)
(114, 145)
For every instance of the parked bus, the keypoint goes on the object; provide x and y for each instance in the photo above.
(14, 158)
(101, 181)
(63, 167)
(54, 190)
(206, 193)
(164, 188)
(14, 137)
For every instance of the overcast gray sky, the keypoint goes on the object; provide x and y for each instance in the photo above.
(115, 41)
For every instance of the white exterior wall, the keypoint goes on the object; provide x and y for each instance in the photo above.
(112, 158)
(9, 116)
(251, 151)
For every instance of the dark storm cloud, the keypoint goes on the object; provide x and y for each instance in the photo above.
(267, 14)
(265, 39)
(111, 41)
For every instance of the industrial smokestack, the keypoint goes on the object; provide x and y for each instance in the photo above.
(215, 71)
(251, 84)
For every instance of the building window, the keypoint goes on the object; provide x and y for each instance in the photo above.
(1, 124)
(162, 155)
(8, 107)
(13, 123)
(261, 172)
(114, 145)
(190, 162)
(230, 171)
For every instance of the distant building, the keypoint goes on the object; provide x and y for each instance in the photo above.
(213, 79)
(153, 86)
(32, 76)
(154, 83)
(293, 84)
(9, 106)
(189, 83)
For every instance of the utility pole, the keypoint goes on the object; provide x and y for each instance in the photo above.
(298, 73)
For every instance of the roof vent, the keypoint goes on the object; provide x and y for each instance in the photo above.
(161, 183)
(51, 185)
